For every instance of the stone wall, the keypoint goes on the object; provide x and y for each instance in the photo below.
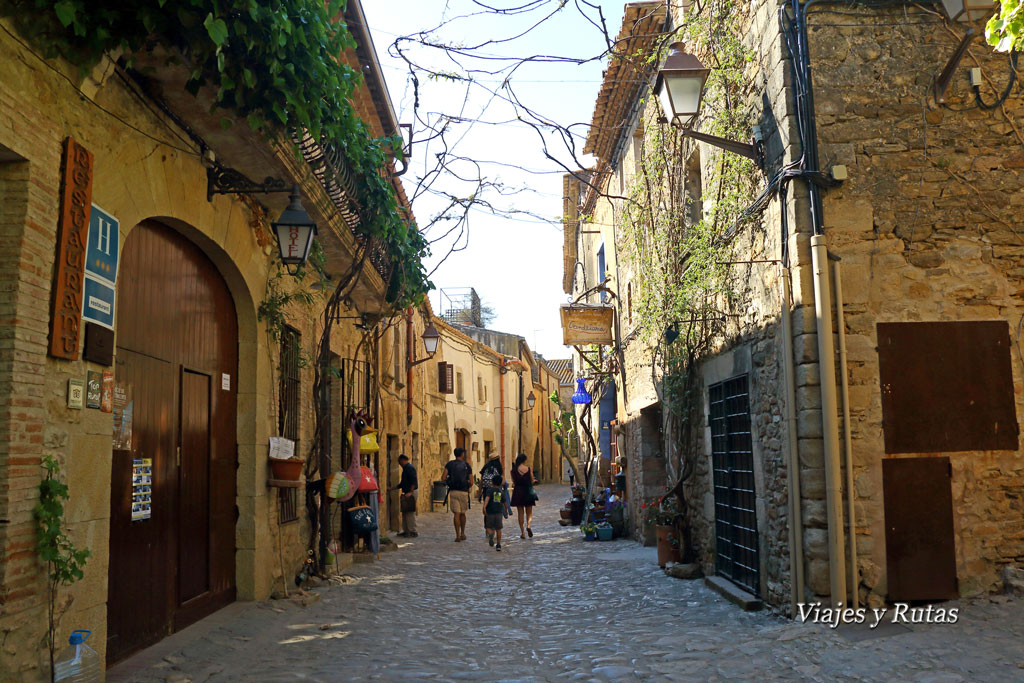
(928, 227)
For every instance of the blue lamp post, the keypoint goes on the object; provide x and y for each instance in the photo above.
(581, 397)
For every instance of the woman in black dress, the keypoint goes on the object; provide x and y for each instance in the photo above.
(522, 501)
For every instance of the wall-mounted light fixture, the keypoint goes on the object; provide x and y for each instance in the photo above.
(969, 10)
(430, 338)
(531, 400)
(680, 89)
(295, 231)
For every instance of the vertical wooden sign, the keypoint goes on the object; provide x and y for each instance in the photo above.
(72, 234)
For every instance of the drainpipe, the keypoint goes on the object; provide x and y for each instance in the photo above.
(408, 365)
(796, 526)
(829, 419)
(501, 393)
(519, 449)
(847, 441)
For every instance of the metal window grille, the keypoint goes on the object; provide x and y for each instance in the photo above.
(288, 409)
(287, 505)
(736, 541)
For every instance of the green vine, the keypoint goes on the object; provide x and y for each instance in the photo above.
(677, 215)
(274, 62)
(63, 560)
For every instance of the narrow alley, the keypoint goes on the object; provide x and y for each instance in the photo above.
(555, 607)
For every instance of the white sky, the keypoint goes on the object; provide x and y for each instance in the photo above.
(515, 263)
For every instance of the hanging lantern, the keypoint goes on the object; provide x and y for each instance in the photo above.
(581, 397)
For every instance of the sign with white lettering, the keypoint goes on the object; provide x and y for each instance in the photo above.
(101, 268)
(585, 324)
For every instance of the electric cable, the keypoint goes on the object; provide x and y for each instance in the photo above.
(1006, 93)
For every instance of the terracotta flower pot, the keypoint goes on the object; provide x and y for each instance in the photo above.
(666, 553)
(288, 470)
(565, 514)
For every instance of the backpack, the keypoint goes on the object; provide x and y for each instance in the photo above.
(458, 476)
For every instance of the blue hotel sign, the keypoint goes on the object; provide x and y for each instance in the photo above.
(101, 268)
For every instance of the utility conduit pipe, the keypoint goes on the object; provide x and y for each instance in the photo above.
(847, 443)
(796, 528)
(829, 419)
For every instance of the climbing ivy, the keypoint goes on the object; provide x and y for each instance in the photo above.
(274, 62)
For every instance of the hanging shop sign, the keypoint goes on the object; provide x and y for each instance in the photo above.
(72, 233)
(101, 268)
(586, 324)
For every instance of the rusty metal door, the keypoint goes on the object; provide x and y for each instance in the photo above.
(919, 547)
(736, 542)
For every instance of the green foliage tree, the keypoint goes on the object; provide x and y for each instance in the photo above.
(1005, 30)
(63, 560)
(566, 435)
(276, 64)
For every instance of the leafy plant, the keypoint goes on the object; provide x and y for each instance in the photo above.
(567, 437)
(660, 512)
(63, 560)
(588, 527)
(1005, 30)
(275, 64)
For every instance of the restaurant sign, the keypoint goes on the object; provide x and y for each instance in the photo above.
(72, 233)
(585, 324)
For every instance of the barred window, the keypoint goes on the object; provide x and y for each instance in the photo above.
(288, 409)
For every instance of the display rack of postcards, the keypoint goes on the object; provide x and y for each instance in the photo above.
(142, 488)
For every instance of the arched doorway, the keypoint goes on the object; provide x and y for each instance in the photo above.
(177, 360)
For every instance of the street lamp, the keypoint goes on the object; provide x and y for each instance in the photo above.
(969, 10)
(295, 231)
(531, 400)
(430, 339)
(680, 89)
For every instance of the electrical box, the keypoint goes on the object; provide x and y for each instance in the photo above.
(839, 173)
(975, 77)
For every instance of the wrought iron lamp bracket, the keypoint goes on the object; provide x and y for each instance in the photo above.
(225, 180)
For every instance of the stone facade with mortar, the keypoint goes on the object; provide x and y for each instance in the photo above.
(927, 227)
(145, 168)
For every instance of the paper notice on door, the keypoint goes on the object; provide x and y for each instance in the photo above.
(225, 381)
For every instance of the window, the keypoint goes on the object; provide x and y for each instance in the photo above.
(288, 406)
(288, 415)
(600, 270)
(459, 393)
(396, 357)
(445, 378)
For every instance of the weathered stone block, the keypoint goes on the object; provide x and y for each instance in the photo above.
(816, 577)
(808, 424)
(814, 513)
(812, 453)
(816, 544)
(812, 483)
(849, 215)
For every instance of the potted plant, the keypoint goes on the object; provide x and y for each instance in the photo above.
(577, 506)
(589, 531)
(661, 514)
(287, 470)
(604, 531)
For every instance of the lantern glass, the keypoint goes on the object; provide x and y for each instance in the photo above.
(531, 400)
(294, 231)
(581, 397)
(684, 92)
(430, 338)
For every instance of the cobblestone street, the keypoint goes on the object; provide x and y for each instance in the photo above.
(554, 607)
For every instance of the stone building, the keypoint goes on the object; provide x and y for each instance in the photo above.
(856, 370)
(160, 413)
(493, 376)
(561, 368)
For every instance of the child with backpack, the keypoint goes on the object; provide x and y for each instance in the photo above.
(494, 510)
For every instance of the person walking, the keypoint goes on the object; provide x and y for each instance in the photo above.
(523, 495)
(408, 485)
(459, 476)
(494, 509)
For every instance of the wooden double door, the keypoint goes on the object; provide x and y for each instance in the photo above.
(177, 361)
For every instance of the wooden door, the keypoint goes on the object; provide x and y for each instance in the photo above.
(194, 475)
(461, 441)
(919, 547)
(177, 348)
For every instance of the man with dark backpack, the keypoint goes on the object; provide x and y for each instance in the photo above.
(458, 475)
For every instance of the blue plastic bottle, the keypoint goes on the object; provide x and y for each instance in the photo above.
(78, 663)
